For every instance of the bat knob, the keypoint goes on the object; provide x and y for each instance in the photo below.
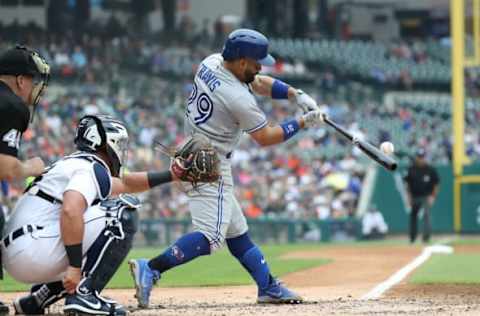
(393, 167)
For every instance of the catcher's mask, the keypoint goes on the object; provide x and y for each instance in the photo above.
(103, 133)
(24, 61)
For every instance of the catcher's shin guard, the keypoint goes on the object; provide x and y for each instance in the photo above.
(112, 246)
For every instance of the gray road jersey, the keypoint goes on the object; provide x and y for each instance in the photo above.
(221, 107)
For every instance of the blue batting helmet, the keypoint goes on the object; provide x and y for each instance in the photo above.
(247, 43)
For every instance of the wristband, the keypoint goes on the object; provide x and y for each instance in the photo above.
(279, 90)
(156, 178)
(74, 254)
(290, 128)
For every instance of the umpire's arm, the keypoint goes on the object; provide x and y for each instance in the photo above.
(14, 169)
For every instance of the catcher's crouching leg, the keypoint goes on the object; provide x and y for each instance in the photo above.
(104, 258)
(113, 245)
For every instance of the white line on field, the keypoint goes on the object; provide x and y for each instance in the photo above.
(396, 278)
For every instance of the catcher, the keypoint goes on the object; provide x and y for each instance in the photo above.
(68, 235)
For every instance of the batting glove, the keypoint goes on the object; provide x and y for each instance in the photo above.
(313, 118)
(305, 102)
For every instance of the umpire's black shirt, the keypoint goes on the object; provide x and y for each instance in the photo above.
(14, 117)
(421, 180)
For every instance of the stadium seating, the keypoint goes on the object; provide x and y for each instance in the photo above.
(366, 60)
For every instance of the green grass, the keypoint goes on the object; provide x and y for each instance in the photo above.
(459, 268)
(454, 268)
(466, 241)
(216, 270)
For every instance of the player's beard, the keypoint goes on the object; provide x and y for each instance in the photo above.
(249, 76)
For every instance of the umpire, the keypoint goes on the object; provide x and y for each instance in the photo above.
(422, 186)
(23, 78)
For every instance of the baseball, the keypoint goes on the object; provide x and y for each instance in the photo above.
(387, 148)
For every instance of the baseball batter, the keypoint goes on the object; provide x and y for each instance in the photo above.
(222, 106)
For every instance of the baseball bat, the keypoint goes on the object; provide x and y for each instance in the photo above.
(371, 151)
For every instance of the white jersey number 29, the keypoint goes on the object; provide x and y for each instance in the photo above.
(12, 138)
(203, 106)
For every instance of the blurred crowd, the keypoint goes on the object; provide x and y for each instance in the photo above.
(315, 175)
(272, 182)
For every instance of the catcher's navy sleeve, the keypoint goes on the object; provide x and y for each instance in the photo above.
(157, 178)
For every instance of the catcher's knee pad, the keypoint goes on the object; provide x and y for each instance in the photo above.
(112, 246)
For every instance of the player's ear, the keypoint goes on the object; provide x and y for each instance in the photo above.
(243, 62)
(19, 81)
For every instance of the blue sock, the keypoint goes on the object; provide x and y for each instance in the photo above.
(185, 249)
(251, 258)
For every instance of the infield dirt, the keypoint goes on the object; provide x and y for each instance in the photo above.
(332, 289)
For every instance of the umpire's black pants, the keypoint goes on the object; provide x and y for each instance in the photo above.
(417, 204)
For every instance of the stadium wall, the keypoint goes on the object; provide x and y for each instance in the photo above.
(23, 14)
(389, 197)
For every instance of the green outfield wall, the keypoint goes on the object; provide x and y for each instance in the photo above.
(266, 230)
(389, 192)
(388, 196)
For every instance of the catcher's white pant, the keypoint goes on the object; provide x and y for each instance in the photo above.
(216, 212)
(39, 256)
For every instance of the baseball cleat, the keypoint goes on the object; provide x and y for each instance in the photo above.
(31, 304)
(27, 305)
(3, 309)
(276, 293)
(144, 279)
(40, 298)
(92, 304)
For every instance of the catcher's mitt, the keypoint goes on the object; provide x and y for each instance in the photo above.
(196, 160)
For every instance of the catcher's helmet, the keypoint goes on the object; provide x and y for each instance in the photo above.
(247, 43)
(103, 133)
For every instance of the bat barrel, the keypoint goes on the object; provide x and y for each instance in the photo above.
(370, 150)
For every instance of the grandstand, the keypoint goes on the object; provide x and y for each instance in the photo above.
(383, 69)
(394, 89)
